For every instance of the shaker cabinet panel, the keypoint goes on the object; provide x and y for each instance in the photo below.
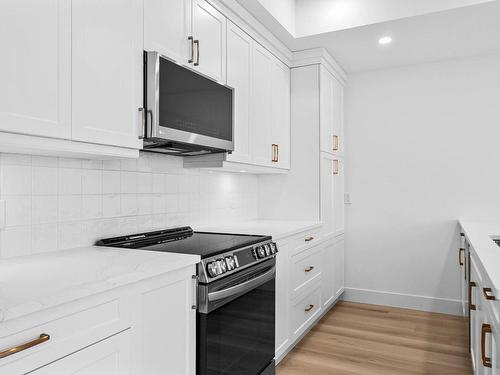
(35, 68)
(209, 40)
(261, 110)
(167, 25)
(332, 194)
(239, 77)
(280, 120)
(108, 357)
(107, 71)
(331, 113)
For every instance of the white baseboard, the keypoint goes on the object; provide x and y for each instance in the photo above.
(406, 301)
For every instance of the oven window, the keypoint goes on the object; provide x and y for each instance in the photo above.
(194, 104)
(238, 338)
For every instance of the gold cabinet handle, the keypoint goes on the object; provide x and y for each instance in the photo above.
(335, 142)
(472, 284)
(336, 167)
(197, 42)
(309, 308)
(276, 153)
(460, 257)
(487, 295)
(309, 269)
(309, 239)
(486, 328)
(16, 349)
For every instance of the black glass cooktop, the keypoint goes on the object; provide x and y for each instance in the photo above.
(184, 240)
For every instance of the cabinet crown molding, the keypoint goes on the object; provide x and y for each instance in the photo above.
(319, 56)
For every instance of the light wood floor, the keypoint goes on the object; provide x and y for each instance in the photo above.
(377, 340)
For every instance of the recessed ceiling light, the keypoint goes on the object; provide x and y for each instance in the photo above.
(385, 40)
(242, 171)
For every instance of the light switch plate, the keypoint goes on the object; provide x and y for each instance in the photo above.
(347, 198)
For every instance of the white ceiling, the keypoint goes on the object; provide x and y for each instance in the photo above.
(460, 32)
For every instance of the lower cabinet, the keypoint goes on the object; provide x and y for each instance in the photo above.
(309, 280)
(484, 322)
(145, 328)
(108, 357)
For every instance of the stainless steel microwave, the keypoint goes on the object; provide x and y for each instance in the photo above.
(186, 113)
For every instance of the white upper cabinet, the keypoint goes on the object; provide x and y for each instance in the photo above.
(167, 25)
(280, 119)
(239, 77)
(107, 39)
(261, 110)
(35, 68)
(208, 34)
(331, 113)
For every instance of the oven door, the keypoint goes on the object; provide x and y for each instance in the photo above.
(236, 330)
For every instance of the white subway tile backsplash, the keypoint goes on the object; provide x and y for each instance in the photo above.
(15, 180)
(58, 203)
(45, 180)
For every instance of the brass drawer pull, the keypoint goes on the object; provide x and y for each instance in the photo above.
(191, 60)
(309, 308)
(335, 142)
(309, 269)
(276, 153)
(197, 43)
(460, 257)
(336, 167)
(472, 284)
(486, 328)
(309, 239)
(16, 349)
(489, 297)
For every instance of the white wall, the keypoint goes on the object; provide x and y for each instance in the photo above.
(423, 149)
(321, 16)
(56, 203)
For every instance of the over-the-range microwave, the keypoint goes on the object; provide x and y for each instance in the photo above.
(186, 113)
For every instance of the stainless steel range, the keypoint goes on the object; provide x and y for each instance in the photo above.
(236, 296)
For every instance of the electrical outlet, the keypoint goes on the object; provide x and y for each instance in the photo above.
(347, 198)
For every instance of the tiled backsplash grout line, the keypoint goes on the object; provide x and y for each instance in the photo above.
(57, 203)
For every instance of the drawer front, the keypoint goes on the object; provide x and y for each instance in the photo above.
(67, 334)
(305, 310)
(306, 267)
(307, 238)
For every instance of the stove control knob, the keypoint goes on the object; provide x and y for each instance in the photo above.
(267, 247)
(231, 264)
(222, 265)
(261, 252)
(213, 269)
(274, 248)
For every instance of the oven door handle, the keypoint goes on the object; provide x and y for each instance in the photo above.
(244, 287)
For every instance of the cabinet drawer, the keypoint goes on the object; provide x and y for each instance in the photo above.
(307, 238)
(305, 310)
(306, 267)
(75, 330)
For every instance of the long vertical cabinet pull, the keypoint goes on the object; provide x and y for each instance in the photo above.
(191, 59)
(336, 167)
(460, 256)
(472, 284)
(197, 43)
(486, 328)
(335, 143)
(276, 156)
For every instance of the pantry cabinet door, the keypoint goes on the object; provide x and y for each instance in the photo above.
(338, 118)
(338, 195)
(338, 270)
(326, 110)
(35, 68)
(167, 25)
(107, 71)
(107, 357)
(239, 77)
(280, 75)
(261, 110)
(209, 34)
(327, 194)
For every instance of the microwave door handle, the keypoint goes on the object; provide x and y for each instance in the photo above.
(243, 287)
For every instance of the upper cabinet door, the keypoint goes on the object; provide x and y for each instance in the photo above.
(239, 77)
(107, 71)
(326, 111)
(209, 40)
(261, 110)
(35, 68)
(338, 118)
(167, 25)
(280, 75)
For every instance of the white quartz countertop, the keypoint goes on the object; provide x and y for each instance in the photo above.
(276, 228)
(480, 235)
(37, 282)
